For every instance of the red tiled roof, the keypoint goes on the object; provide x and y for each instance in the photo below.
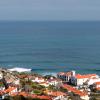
(40, 97)
(9, 89)
(44, 97)
(69, 73)
(57, 93)
(14, 94)
(61, 73)
(98, 88)
(97, 83)
(65, 73)
(23, 94)
(26, 94)
(74, 90)
(78, 76)
(1, 92)
(22, 76)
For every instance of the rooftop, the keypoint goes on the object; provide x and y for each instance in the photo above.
(74, 90)
(78, 76)
(97, 83)
(57, 93)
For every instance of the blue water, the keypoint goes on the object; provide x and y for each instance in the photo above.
(51, 46)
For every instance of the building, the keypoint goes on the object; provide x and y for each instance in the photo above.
(38, 79)
(10, 90)
(65, 76)
(82, 79)
(55, 82)
(76, 79)
(58, 95)
(79, 94)
(91, 81)
(7, 92)
(96, 86)
(44, 84)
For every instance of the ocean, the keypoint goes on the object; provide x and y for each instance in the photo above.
(51, 46)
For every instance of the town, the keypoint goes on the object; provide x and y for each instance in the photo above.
(69, 85)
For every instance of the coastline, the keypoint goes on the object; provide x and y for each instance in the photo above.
(50, 71)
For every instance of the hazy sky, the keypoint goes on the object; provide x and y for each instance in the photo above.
(49, 9)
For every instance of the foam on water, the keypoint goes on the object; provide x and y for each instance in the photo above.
(20, 69)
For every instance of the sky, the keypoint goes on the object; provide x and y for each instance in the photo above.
(49, 9)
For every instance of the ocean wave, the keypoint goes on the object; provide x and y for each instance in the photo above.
(20, 69)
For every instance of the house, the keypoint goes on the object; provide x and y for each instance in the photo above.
(44, 84)
(65, 76)
(96, 86)
(58, 95)
(7, 92)
(80, 94)
(21, 76)
(24, 94)
(38, 79)
(9, 81)
(91, 81)
(43, 97)
(84, 97)
(54, 82)
(76, 79)
(16, 82)
(79, 79)
(10, 90)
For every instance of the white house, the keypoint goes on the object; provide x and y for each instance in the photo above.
(76, 79)
(17, 82)
(10, 90)
(82, 79)
(84, 97)
(79, 94)
(38, 79)
(91, 81)
(96, 86)
(54, 82)
(58, 95)
(44, 84)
